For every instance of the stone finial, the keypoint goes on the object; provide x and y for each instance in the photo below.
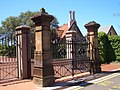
(42, 11)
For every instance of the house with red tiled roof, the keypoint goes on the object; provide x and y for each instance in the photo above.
(70, 26)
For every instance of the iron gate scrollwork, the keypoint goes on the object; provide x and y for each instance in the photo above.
(70, 57)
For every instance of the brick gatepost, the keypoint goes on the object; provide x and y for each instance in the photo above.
(92, 28)
(43, 73)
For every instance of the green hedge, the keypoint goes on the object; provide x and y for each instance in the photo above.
(102, 46)
(115, 43)
(106, 50)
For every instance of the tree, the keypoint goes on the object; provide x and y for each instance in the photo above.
(102, 39)
(106, 51)
(8, 26)
(54, 23)
(10, 23)
(25, 19)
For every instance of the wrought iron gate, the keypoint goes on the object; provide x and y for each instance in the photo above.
(8, 61)
(70, 57)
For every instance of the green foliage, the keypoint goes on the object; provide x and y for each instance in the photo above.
(10, 23)
(54, 23)
(106, 50)
(7, 50)
(59, 49)
(102, 40)
(115, 42)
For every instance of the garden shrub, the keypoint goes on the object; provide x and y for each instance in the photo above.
(102, 41)
(106, 50)
(115, 43)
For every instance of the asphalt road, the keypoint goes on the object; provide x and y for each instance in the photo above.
(110, 82)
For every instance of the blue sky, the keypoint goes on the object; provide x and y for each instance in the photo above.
(101, 11)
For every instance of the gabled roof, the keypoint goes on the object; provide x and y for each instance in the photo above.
(64, 28)
(104, 29)
(71, 25)
(77, 28)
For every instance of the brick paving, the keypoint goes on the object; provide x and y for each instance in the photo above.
(109, 67)
(28, 84)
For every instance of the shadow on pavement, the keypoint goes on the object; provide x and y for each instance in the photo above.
(83, 81)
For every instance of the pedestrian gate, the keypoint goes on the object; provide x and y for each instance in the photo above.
(8, 61)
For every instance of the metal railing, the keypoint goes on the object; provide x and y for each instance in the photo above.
(8, 61)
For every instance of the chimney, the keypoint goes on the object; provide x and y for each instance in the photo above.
(73, 15)
(71, 18)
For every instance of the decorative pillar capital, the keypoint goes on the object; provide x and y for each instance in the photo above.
(42, 17)
(22, 27)
(92, 26)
